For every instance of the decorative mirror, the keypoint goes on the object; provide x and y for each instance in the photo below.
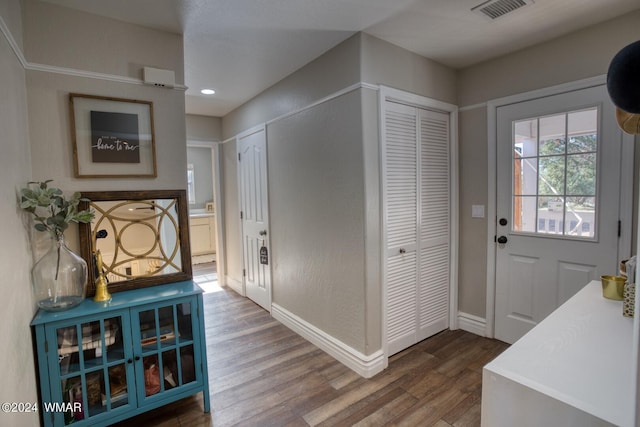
(143, 237)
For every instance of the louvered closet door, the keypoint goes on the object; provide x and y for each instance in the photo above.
(401, 184)
(416, 214)
(434, 260)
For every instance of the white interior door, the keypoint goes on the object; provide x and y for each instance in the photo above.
(417, 208)
(252, 180)
(558, 204)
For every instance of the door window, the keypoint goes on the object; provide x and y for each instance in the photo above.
(554, 174)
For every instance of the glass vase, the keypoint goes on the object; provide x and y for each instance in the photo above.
(59, 278)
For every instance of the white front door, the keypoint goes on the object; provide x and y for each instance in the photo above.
(558, 204)
(252, 180)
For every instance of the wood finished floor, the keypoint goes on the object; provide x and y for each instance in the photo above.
(263, 374)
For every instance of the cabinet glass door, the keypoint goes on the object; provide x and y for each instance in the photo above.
(92, 367)
(166, 340)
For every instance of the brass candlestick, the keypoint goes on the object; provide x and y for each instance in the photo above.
(102, 294)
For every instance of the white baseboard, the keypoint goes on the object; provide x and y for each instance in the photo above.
(363, 365)
(470, 323)
(235, 285)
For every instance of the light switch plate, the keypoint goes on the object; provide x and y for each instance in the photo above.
(477, 211)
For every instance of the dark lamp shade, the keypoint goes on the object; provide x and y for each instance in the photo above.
(623, 84)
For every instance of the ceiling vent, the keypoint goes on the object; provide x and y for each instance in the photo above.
(497, 8)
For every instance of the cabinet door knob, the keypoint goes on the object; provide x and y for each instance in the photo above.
(137, 358)
(402, 250)
(129, 360)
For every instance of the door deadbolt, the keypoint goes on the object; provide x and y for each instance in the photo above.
(503, 221)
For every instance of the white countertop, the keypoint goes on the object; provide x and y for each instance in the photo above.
(581, 355)
(201, 214)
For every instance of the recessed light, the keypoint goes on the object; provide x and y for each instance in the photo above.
(207, 91)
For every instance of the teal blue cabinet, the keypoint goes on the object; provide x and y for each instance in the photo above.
(100, 363)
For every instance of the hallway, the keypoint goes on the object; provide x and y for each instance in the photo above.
(263, 374)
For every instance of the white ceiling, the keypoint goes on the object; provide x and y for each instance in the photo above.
(241, 47)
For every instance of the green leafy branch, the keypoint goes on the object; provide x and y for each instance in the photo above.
(51, 210)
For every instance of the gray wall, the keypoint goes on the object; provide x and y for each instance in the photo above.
(72, 46)
(316, 208)
(36, 142)
(472, 249)
(203, 128)
(207, 130)
(331, 72)
(385, 63)
(201, 159)
(19, 380)
(66, 37)
(576, 56)
(324, 182)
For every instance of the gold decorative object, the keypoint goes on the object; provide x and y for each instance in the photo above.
(102, 293)
(612, 287)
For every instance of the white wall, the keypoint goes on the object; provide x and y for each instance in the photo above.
(19, 379)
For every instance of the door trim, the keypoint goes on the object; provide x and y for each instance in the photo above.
(390, 94)
(626, 183)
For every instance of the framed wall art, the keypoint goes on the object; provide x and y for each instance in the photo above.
(112, 137)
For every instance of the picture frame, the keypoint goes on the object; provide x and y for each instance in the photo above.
(112, 137)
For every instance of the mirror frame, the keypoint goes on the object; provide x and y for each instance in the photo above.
(86, 248)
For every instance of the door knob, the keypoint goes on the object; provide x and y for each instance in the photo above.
(263, 233)
(402, 250)
(502, 240)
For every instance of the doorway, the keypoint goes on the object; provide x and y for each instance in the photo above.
(563, 213)
(419, 193)
(205, 222)
(254, 215)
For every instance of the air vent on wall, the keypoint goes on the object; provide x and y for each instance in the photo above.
(497, 8)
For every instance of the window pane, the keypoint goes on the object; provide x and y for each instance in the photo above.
(525, 176)
(554, 174)
(583, 131)
(551, 175)
(581, 217)
(552, 135)
(525, 139)
(524, 214)
(191, 184)
(581, 174)
(550, 212)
